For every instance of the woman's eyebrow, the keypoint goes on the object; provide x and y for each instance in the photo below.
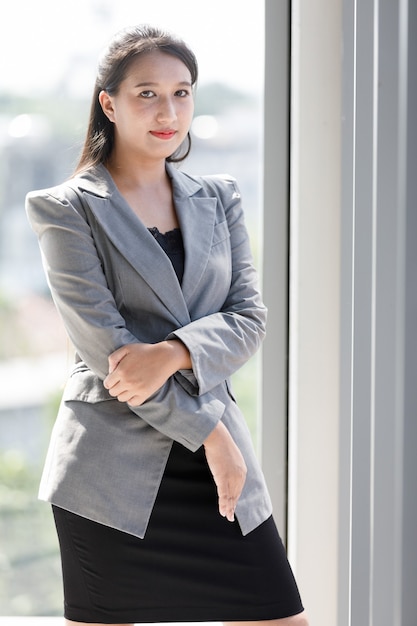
(184, 83)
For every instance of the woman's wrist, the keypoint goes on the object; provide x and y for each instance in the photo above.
(179, 354)
(218, 433)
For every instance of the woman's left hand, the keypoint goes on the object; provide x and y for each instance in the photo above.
(137, 370)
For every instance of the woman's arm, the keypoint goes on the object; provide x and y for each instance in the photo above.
(220, 343)
(227, 467)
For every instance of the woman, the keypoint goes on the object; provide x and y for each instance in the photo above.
(160, 506)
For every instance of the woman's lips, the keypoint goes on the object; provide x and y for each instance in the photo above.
(163, 134)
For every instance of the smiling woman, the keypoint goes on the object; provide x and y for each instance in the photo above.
(152, 272)
(39, 150)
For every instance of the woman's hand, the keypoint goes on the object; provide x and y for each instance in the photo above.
(137, 370)
(228, 467)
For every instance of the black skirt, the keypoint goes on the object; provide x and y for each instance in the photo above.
(192, 565)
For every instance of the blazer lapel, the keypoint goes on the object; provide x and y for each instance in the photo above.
(197, 218)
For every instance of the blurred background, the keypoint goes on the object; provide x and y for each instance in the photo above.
(49, 50)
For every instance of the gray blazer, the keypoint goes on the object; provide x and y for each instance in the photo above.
(113, 285)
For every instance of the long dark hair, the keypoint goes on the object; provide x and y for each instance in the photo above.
(126, 46)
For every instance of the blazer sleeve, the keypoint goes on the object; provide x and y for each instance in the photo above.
(95, 326)
(220, 343)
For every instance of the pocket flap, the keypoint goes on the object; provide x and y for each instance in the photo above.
(85, 386)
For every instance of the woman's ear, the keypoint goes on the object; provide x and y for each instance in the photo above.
(106, 103)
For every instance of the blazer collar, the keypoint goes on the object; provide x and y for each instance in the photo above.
(196, 215)
(98, 180)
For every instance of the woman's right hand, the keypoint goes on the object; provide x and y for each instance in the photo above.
(228, 467)
(137, 370)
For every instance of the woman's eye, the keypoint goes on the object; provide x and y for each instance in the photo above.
(146, 94)
(182, 93)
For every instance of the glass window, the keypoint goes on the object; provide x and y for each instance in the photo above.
(44, 101)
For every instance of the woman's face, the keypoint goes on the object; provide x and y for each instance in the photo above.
(153, 108)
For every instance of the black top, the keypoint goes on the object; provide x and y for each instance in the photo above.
(172, 244)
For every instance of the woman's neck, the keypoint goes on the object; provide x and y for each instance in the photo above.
(133, 173)
(147, 189)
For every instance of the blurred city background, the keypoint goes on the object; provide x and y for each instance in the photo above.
(49, 51)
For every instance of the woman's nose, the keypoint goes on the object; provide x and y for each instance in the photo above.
(166, 111)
